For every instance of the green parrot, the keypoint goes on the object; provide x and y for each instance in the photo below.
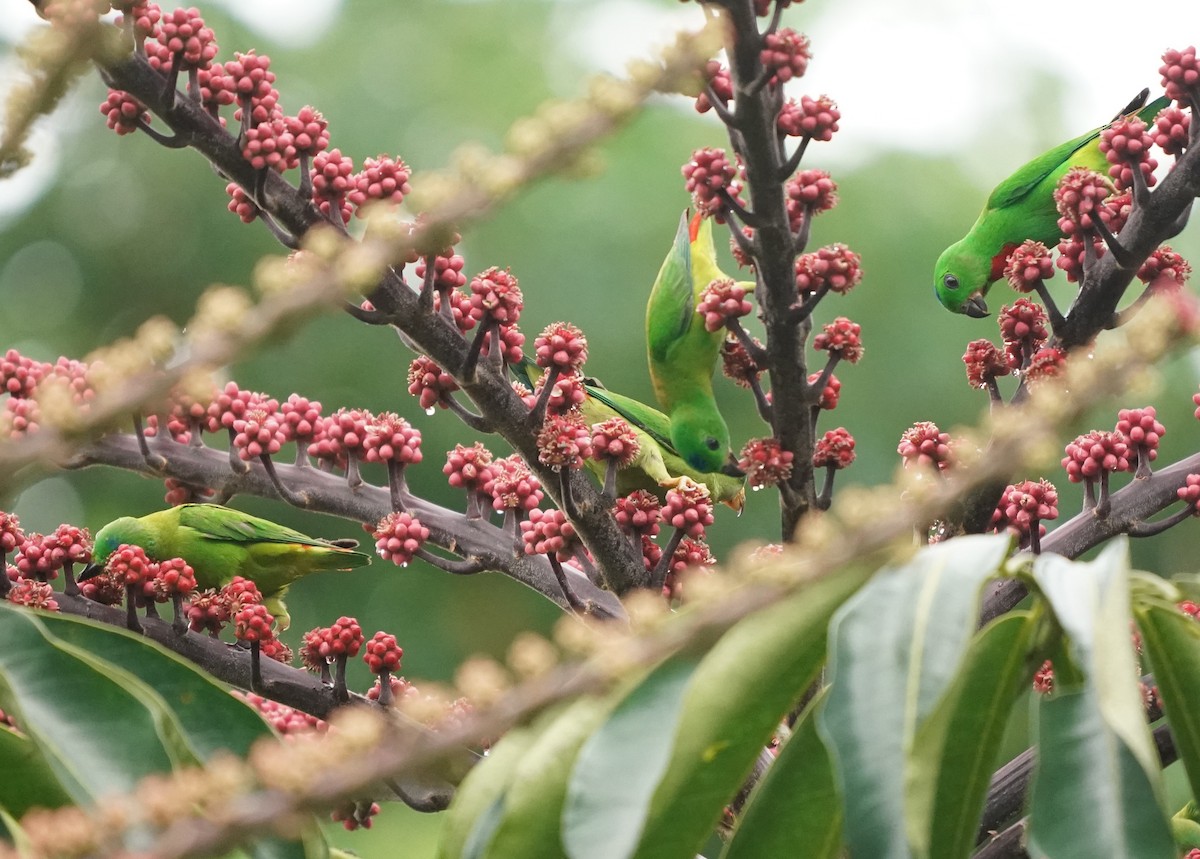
(657, 466)
(1021, 207)
(682, 354)
(220, 543)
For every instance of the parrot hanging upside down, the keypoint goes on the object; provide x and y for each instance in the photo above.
(657, 465)
(683, 354)
(1021, 207)
(220, 543)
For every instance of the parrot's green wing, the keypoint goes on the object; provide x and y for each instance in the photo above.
(1016, 187)
(672, 306)
(650, 421)
(658, 463)
(225, 523)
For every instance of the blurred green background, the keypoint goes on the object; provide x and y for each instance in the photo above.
(121, 229)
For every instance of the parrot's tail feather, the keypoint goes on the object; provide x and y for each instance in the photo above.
(1136, 104)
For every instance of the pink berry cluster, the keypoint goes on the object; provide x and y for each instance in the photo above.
(547, 532)
(1023, 508)
(924, 445)
(985, 363)
(286, 721)
(21, 379)
(688, 508)
(39, 557)
(842, 338)
(809, 193)
(398, 537)
(1029, 265)
(834, 450)
(833, 268)
(179, 41)
(722, 301)
(765, 462)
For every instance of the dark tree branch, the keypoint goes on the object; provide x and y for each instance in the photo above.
(757, 107)
(478, 539)
(440, 339)
(1147, 227)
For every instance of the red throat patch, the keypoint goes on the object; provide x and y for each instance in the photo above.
(999, 261)
(694, 227)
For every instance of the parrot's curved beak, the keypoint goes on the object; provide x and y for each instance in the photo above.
(90, 571)
(730, 468)
(975, 307)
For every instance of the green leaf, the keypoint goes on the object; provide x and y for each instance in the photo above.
(741, 690)
(1092, 604)
(472, 817)
(101, 730)
(1091, 795)
(620, 765)
(955, 749)
(894, 648)
(1098, 785)
(157, 707)
(1171, 641)
(212, 719)
(795, 811)
(533, 804)
(28, 778)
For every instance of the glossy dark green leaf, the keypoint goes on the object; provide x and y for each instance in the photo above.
(99, 727)
(211, 718)
(147, 696)
(955, 750)
(28, 779)
(894, 648)
(795, 811)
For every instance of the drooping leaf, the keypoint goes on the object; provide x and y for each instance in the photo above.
(894, 648)
(795, 811)
(160, 712)
(1092, 604)
(211, 718)
(955, 749)
(103, 747)
(1098, 783)
(533, 804)
(736, 698)
(621, 764)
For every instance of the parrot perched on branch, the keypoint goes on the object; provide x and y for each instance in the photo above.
(657, 466)
(1021, 207)
(220, 543)
(683, 354)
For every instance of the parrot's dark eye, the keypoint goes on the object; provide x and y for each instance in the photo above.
(950, 281)
(712, 443)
